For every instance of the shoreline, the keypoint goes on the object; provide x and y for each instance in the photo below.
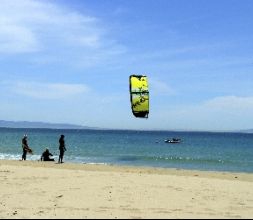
(243, 176)
(33, 189)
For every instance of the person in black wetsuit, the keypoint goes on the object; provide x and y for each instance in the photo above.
(62, 148)
(25, 147)
(46, 156)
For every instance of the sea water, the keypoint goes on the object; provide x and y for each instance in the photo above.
(197, 150)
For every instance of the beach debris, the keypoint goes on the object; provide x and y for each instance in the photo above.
(60, 196)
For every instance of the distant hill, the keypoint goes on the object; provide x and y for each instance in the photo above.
(28, 124)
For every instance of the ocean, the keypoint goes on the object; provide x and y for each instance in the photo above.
(212, 151)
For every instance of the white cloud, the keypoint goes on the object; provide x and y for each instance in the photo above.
(28, 21)
(16, 39)
(159, 87)
(46, 90)
(227, 112)
(18, 21)
(219, 113)
(52, 30)
(230, 103)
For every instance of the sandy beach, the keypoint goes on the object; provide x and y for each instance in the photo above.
(35, 189)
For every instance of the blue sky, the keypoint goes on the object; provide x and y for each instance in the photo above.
(69, 61)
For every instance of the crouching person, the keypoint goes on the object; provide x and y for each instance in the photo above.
(46, 156)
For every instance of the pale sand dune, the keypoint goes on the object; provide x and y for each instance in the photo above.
(49, 190)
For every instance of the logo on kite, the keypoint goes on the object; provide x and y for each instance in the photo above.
(139, 95)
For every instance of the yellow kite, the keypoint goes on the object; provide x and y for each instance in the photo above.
(139, 95)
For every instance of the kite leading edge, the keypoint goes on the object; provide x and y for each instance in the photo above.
(139, 95)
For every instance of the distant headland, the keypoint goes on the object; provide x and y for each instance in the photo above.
(29, 124)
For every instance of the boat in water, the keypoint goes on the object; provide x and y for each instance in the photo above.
(173, 141)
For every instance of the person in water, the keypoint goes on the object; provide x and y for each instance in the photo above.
(26, 148)
(46, 156)
(62, 148)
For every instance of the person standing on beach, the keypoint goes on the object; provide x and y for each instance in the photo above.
(25, 147)
(62, 148)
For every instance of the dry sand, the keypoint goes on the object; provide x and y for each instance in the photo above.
(49, 190)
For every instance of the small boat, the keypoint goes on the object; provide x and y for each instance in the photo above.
(173, 141)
